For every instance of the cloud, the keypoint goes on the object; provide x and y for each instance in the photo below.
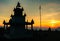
(50, 16)
(49, 1)
(57, 17)
(50, 8)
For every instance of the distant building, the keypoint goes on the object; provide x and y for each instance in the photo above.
(49, 29)
(17, 23)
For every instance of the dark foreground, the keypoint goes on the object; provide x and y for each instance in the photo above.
(39, 35)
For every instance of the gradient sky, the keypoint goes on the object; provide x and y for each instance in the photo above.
(50, 10)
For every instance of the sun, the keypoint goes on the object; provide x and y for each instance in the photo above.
(52, 23)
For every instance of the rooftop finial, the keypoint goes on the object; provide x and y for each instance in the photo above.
(18, 5)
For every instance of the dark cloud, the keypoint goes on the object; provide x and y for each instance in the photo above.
(50, 0)
(7, 1)
(4, 1)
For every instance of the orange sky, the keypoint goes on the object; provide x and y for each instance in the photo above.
(50, 11)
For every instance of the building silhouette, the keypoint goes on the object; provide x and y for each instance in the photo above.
(17, 23)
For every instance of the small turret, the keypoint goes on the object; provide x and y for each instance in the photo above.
(32, 21)
(25, 14)
(4, 22)
(11, 15)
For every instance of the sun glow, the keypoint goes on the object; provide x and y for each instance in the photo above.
(53, 23)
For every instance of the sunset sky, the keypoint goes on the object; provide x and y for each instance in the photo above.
(50, 10)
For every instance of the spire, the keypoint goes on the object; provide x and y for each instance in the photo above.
(25, 14)
(4, 22)
(32, 21)
(18, 5)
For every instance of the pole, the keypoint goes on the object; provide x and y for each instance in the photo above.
(40, 15)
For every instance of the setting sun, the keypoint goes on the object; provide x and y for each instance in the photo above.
(53, 23)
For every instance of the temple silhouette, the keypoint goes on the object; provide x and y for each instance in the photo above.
(17, 23)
